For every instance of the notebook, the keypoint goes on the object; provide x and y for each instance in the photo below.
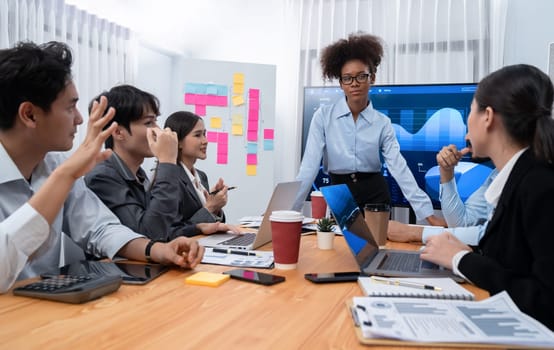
(371, 259)
(449, 289)
(282, 198)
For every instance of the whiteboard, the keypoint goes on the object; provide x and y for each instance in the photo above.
(253, 192)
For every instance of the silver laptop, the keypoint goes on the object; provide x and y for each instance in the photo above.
(282, 198)
(371, 259)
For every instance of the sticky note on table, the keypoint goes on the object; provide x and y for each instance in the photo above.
(204, 278)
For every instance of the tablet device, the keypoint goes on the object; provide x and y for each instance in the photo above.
(130, 272)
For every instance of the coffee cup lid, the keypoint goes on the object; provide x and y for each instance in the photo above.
(317, 193)
(286, 216)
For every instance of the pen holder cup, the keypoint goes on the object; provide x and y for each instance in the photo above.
(286, 226)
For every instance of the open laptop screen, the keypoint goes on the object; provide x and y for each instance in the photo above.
(351, 221)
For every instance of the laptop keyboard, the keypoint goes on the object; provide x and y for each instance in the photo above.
(400, 262)
(240, 240)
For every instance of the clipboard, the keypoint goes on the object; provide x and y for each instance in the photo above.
(405, 343)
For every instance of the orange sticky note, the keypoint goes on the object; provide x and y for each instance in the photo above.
(204, 278)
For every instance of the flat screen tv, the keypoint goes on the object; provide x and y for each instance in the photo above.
(425, 118)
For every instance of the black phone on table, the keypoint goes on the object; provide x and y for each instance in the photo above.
(255, 277)
(332, 277)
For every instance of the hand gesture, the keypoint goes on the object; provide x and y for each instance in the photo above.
(447, 159)
(89, 153)
(163, 143)
(181, 251)
(215, 202)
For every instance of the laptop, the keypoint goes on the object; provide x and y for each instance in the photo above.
(282, 198)
(371, 259)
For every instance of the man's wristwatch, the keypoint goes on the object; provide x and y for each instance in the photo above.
(147, 251)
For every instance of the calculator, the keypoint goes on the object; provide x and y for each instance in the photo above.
(73, 289)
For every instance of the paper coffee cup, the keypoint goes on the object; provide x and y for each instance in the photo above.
(319, 206)
(377, 219)
(286, 227)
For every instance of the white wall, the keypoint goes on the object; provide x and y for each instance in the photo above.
(529, 30)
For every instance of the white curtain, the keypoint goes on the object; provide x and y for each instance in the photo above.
(104, 53)
(426, 41)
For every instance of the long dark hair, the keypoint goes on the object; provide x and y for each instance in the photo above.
(182, 122)
(523, 96)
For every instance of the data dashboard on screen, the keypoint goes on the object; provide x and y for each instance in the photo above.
(425, 117)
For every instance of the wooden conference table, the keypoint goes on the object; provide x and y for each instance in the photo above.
(169, 314)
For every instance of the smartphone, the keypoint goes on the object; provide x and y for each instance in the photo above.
(255, 277)
(332, 277)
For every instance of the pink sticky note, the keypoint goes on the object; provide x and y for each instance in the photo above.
(201, 99)
(223, 138)
(254, 93)
(211, 136)
(190, 99)
(268, 134)
(251, 159)
(253, 103)
(222, 159)
(200, 110)
(253, 114)
(252, 136)
(211, 100)
(252, 125)
(221, 101)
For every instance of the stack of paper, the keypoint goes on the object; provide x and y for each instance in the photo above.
(495, 320)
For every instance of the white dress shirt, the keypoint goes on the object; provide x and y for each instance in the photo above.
(28, 245)
(347, 147)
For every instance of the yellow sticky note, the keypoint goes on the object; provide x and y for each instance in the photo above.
(238, 78)
(237, 119)
(238, 88)
(238, 100)
(236, 129)
(204, 278)
(251, 170)
(215, 123)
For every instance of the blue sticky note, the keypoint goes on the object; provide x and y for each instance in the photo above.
(251, 148)
(268, 145)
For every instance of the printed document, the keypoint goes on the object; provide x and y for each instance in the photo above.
(495, 320)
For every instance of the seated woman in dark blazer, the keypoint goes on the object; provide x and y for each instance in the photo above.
(197, 203)
(511, 122)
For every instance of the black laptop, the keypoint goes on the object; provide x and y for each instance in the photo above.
(371, 259)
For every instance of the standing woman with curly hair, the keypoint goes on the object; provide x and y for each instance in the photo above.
(351, 136)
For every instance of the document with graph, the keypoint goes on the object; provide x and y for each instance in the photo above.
(495, 320)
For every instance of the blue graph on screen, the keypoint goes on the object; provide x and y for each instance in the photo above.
(442, 127)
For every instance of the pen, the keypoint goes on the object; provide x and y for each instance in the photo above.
(230, 251)
(404, 283)
(228, 189)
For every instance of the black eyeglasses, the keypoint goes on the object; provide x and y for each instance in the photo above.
(360, 78)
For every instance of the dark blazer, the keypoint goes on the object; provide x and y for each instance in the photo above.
(516, 253)
(190, 206)
(149, 211)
